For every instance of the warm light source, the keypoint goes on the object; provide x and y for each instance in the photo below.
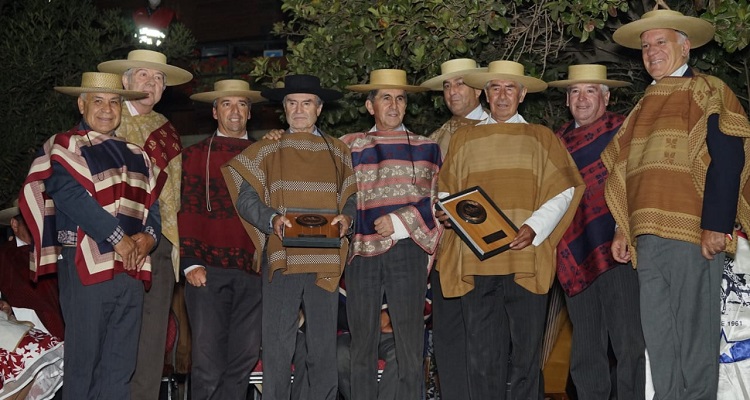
(150, 36)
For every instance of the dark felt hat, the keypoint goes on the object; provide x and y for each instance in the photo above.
(301, 84)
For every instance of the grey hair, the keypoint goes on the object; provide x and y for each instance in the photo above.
(83, 97)
(604, 88)
(128, 74)
(318, 100)
(374, 93)
(520, 85)
(249, 102)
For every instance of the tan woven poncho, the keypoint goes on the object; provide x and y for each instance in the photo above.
(520, 167)
(658, 160)
(296, 172)
(443, 134)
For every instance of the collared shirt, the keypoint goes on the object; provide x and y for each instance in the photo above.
(131, 108)
(315, 131)
(478, 114)
(544, 220)
(678, 72)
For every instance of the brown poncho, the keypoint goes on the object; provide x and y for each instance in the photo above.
(520, 167)
(658, 161)
(296, 172)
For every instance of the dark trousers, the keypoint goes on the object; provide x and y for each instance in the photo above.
(449, 342)
(283, 298)
(386, 352)
(499, 308)
(102, 322)
(608, 311)
(225, 318)
(401, 275)
(680, 313)
(156, 304)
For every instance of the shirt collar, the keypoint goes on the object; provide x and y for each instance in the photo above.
(219, 134)
(20, 242)
(398, 129)
(516, 119)
(478, 114)
(678, 72)
(131, 108)
(315, 131)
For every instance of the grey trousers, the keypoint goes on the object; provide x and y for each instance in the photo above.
(156, 304)
(608, 311)
(101, 333)
(282, 299)
(225, 318)
(401, 275)
(449, 341)
(386, 352)
(681, 317)
(503, 319)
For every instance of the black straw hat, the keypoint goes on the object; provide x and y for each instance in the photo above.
(301, 84)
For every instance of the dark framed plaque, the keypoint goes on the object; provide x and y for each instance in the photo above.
(311, 227)
(479, 222)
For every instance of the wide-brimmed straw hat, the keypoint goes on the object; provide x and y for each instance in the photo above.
(587, 73)
(301, 84)
(506, 71)
(100, 82)
(148, 59)
(699, 31)
(452, 69)
(387, 79)
(8, 213)
(229, 87)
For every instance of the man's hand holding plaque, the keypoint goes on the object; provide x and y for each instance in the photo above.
(312, 228)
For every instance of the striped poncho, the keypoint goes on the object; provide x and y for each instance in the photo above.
(584, 251)
(520, 167)
(117, 174)
(658, 160)
(299, 171)
(396, 174)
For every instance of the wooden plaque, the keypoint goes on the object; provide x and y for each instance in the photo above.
(311, 227)
(479, 222)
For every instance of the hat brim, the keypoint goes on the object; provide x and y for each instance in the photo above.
(698, 31)
(7, 214)
(209, 97)
(436, 83)
(76, 90)
(609, 82)
(174, 75)
(277, 94)
(478, 80)
(364, 88)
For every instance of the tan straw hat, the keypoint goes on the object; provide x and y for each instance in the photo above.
(229, 87)
(148, 59)
(387, 79)
(452, 69)
(100, 82)
(507, 71)
(8, 213)
(699, 31)
(587, 73)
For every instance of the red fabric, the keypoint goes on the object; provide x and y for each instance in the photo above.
(159, 18)
(17, 287)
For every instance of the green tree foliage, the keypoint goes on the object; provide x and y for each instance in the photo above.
(47, 43)
(341, 41)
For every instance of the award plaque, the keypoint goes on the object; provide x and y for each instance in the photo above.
(479, 222)
(311, 227)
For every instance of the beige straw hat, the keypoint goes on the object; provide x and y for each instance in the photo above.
(587, 73)
(452, 69)
(507, 71)
(229, 87)
(100, 82)
(387, 79)
(148, 59)
(8, 213)
(699, 31)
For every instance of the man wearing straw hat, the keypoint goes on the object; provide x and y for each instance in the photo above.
(601, 294)
(676, 171)
(304, 169)
(148, 71)
(528, 173)
(395, 235)
(223, 295)
(448, 330)
(90, 201)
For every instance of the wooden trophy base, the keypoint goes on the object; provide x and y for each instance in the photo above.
(311, 227)
(479, 222)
